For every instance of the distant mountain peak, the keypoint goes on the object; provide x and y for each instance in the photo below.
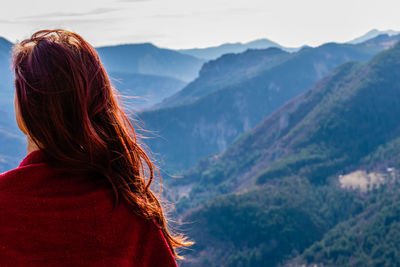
(372, 34)
(2, 39)
(378, 32)
(214, 52)
(262, 41)
(145, 44)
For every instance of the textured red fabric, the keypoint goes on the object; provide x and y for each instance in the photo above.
(53, 219)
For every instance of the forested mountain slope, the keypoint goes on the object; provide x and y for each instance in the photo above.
(350, 118)
(276, 191)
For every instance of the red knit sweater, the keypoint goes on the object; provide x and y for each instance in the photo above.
(53, 219)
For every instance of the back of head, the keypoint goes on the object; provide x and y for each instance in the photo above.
(73, 114)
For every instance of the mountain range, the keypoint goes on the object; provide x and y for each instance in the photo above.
(275, 196)
(273, 157)
(215, 52)
(227, 69)
(223, 103)
(372, 34)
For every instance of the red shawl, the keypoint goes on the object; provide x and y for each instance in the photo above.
(51, 219)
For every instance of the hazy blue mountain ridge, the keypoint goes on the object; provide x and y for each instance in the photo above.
(5, 50)
(146, 58)
(5, 45)
(214, 52)
(148, 72)
(372, 34)
(12, 141)
(227, 69)
(231, 68)
(227, 48)
(147, 90)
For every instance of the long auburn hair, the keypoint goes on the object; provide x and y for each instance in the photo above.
(74, 115)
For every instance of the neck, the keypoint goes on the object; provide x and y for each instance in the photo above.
(31, 145)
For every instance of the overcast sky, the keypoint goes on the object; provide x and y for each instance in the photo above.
(201, 23)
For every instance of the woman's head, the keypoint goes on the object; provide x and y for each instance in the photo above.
(66, 104)
(64, 97)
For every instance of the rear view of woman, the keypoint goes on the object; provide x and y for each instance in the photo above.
(81, 197)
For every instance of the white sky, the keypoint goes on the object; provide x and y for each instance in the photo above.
(201, 23)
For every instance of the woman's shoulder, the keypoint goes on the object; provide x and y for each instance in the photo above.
(34, 159)
(74, 214)
(25, 175)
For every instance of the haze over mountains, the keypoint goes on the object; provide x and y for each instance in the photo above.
(147, 90)
(228, 69)
(149, 72)
(153, 74)
(211, 112)
(283, 158)
(146, 58)
(217, 51)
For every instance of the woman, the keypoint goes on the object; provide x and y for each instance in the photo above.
(80, 196)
